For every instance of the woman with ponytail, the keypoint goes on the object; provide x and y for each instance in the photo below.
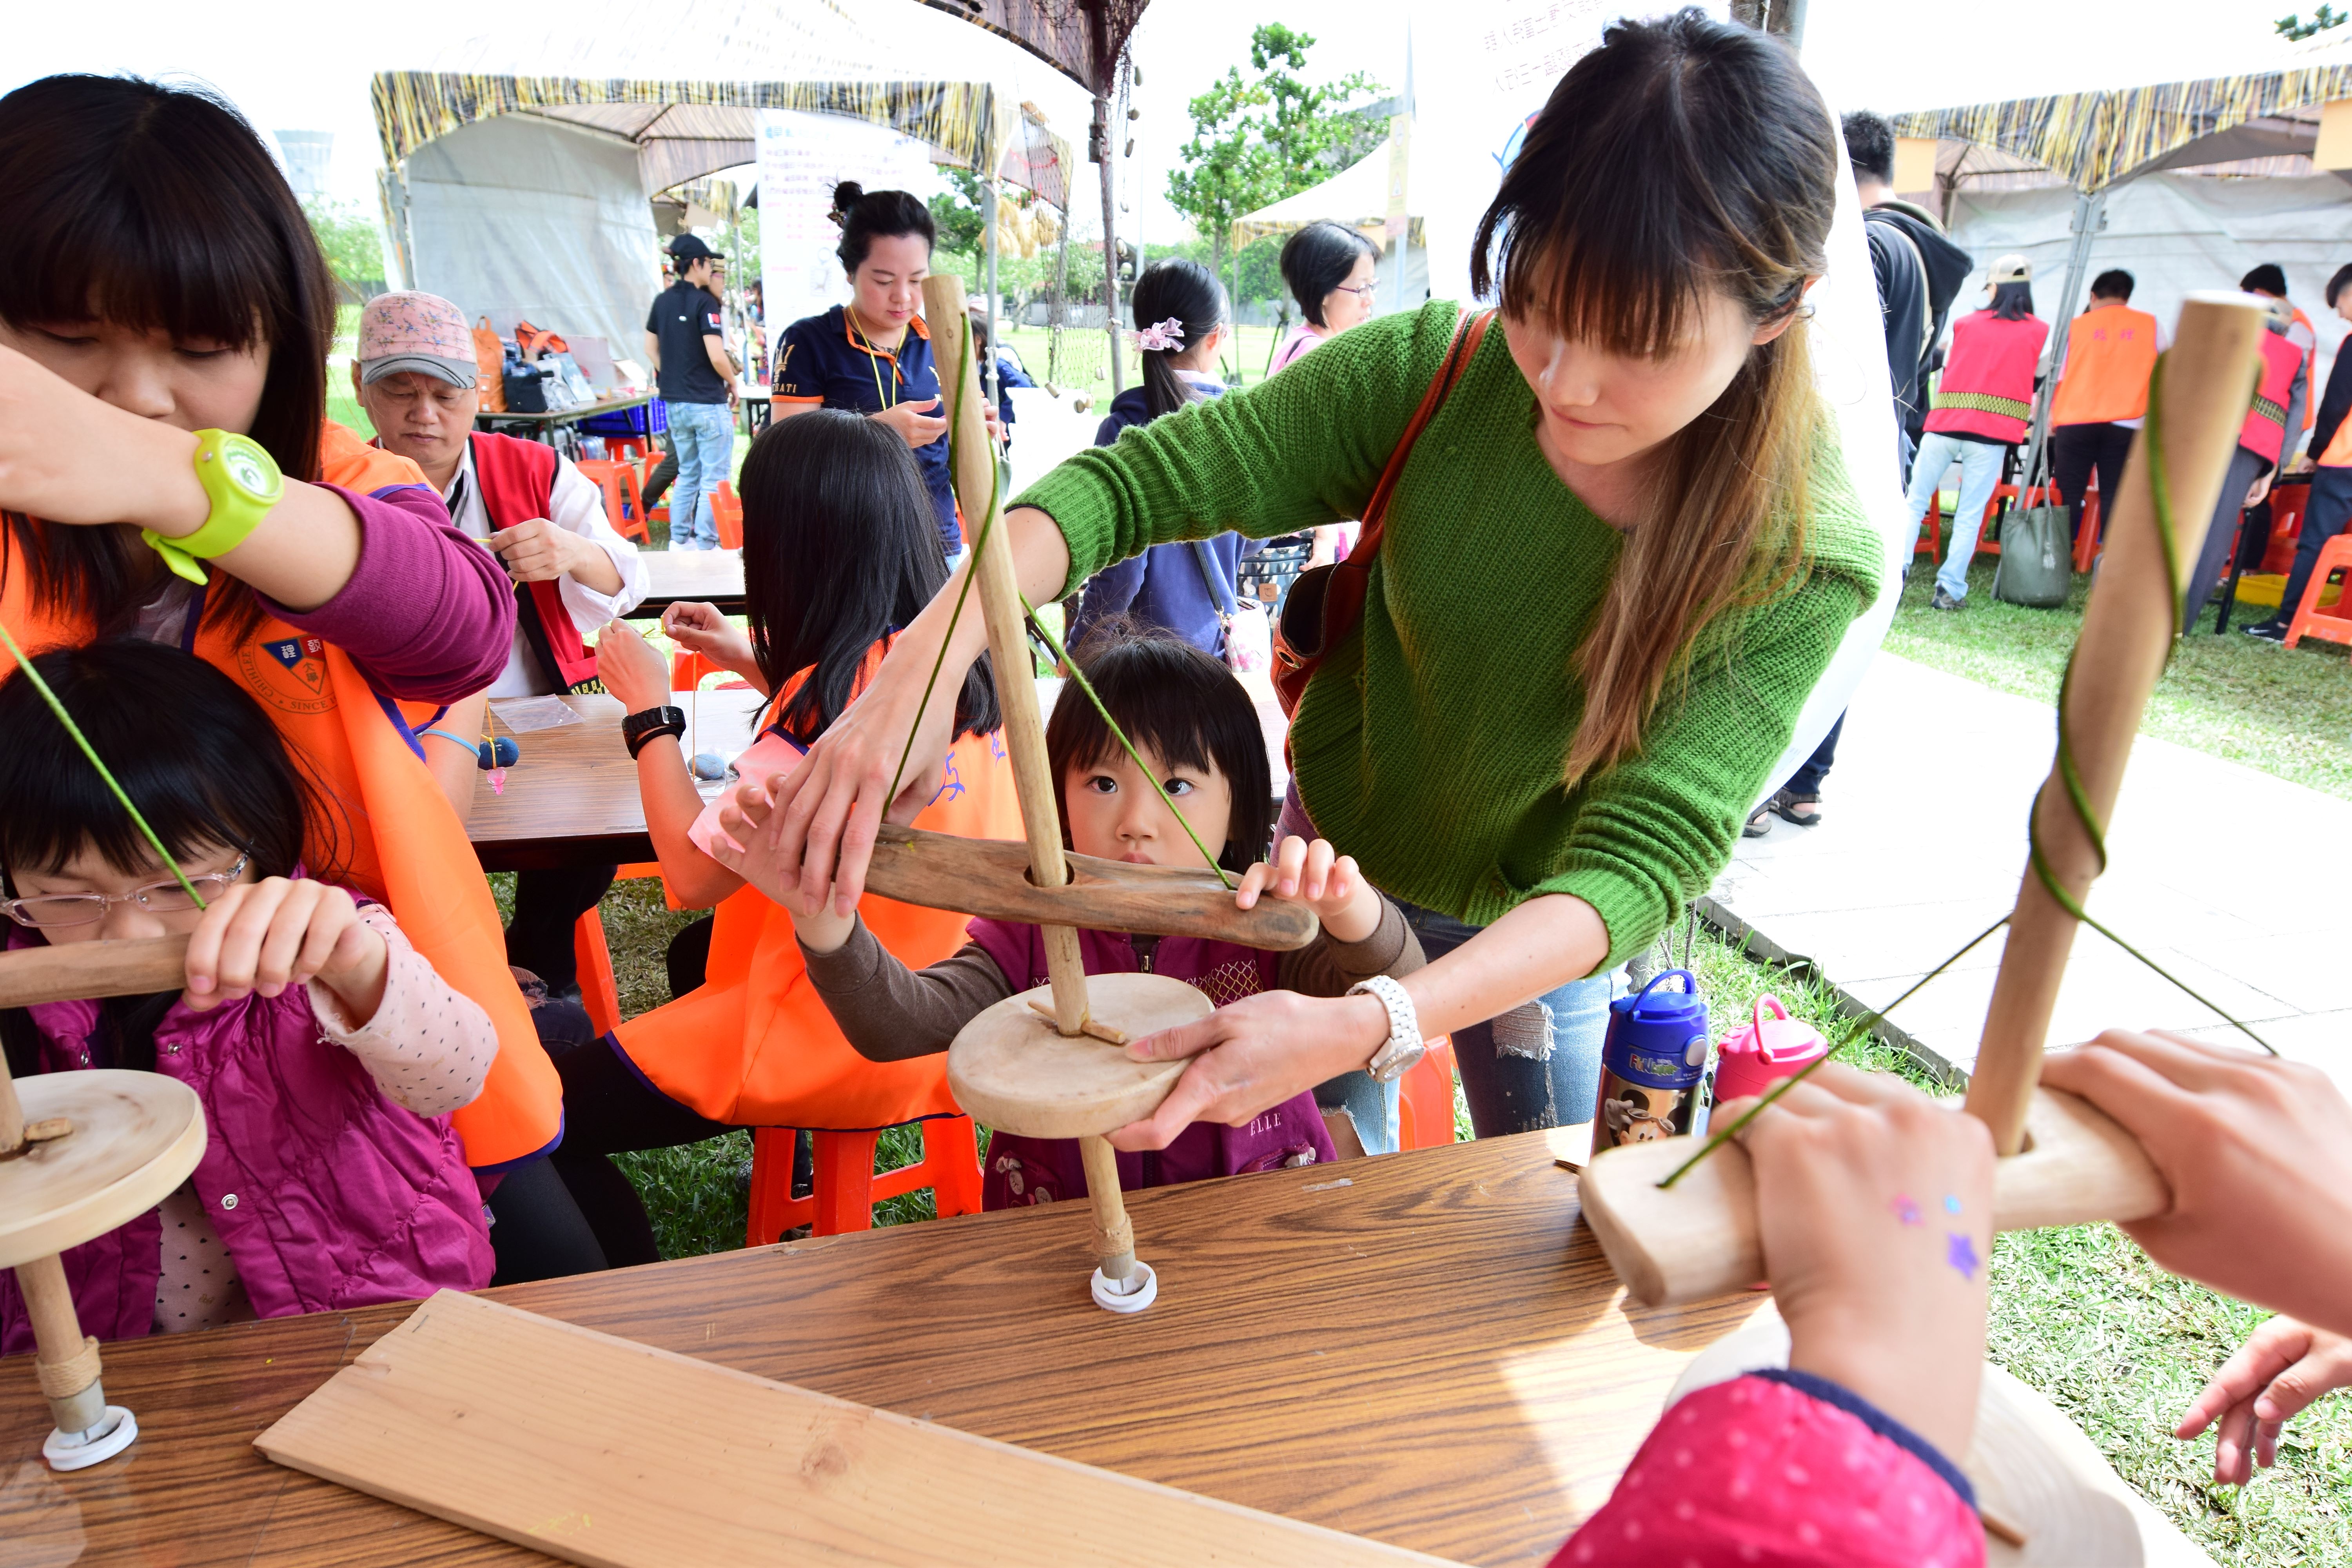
(1615, 561)
(1180, 324)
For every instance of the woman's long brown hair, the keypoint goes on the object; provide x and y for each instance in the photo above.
(148, 206)
(1682, 157)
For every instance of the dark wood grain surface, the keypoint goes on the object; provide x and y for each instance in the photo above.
(571, 799)
(1425, 1349)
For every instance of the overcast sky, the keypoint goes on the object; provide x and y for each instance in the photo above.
(305, 66)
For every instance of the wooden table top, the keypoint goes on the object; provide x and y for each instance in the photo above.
(572, 799)
(712, 576)
(488, 418)
(1425, 1349)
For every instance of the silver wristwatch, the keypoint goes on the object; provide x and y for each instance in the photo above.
(1404, 1048)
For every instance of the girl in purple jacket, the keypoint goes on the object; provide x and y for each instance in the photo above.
(1196, 730)
(327, 1052)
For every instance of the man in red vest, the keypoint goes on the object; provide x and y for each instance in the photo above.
(415, 376)
(2270, 428)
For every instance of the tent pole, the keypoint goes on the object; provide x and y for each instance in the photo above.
(988, 371)
(2089, 217)
(1110, 242)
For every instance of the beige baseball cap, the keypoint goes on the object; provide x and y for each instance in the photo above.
(2011, 269)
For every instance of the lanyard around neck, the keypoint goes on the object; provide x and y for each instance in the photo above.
(873, 358)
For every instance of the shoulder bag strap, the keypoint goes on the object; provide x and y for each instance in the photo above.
(1469, 332)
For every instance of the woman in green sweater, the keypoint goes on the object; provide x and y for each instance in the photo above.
(1616, 560)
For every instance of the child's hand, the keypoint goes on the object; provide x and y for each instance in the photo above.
(266, 936)
(2286, 1366)
(1874, 1208)
(1327, 882)
(700, 628)
(746, 845)
(631, 668)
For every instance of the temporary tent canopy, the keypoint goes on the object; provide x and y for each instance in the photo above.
(1356, 197)
(519, 163)
(2186, 185)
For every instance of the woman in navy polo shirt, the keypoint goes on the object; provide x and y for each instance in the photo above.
(873, 356)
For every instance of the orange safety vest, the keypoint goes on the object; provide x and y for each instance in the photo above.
(347, 736)
(755, 1046)
(2110, 354)
(1987, 387)
(2265, 431)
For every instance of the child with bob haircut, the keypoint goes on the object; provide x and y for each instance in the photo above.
(1196, 731)
(327, 1052)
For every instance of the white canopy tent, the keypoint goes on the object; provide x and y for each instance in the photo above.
(1356, 197)
(520, 161)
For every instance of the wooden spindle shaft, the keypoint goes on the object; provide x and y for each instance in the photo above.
(66, 1358)
(998, 588)
(80, 970)
(12, 1111)
(1114, 1235)
(2126, 637)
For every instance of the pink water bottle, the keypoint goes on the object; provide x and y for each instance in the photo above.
(1762, 1051)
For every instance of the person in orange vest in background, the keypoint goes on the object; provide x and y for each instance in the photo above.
(2329, 458)
(1983, 404)
(2269, 280)
(2270, 425)
(2101, 394)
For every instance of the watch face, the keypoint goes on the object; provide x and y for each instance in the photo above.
(246, 470)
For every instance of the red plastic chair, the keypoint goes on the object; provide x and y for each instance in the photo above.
(728, 513)
(2287, 506)
(1931, 536)
(846, 1189)
(1426, 1100)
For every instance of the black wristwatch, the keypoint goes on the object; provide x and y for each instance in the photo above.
(639, 728)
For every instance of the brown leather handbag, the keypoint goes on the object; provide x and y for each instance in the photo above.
(1327, 602)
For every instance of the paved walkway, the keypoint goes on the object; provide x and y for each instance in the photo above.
(2238, 882)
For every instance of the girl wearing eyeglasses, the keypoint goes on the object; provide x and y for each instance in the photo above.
(328, 1054)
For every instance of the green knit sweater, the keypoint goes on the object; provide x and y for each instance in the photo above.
(1432, 746)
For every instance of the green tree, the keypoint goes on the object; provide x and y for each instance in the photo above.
(353, 241)
(2293, 28)
(1258, 139)
(957, 216)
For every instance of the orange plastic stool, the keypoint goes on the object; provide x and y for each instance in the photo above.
(599, 993)
(1426, 1100)
(625, 506)
(1930, 542)
(727, 513)
(2086, 537)
(2333, 624)
(846, 1188)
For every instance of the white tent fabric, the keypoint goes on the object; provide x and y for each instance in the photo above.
(544, 212)
(1356, 197)
(520, 217)
(2174, 234)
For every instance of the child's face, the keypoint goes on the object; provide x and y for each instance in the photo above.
(127, 918)
(191, 384)
(1114, 813)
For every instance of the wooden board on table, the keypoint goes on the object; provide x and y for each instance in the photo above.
(1010, 1068)
(603, 1451)
(672, 576)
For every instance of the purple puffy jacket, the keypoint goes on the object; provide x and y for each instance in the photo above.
(326, 1193)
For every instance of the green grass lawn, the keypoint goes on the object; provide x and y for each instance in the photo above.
(2287, 712)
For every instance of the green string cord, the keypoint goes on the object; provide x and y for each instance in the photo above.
(2076, 797)
(988, 523)
(25, 666)
(1087, 687)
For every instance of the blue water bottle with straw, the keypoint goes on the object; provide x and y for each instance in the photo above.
(1653, 1065)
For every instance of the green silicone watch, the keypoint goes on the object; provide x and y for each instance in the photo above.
(242, 482)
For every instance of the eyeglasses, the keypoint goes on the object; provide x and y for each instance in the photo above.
(156, 898)
(1362, 291)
